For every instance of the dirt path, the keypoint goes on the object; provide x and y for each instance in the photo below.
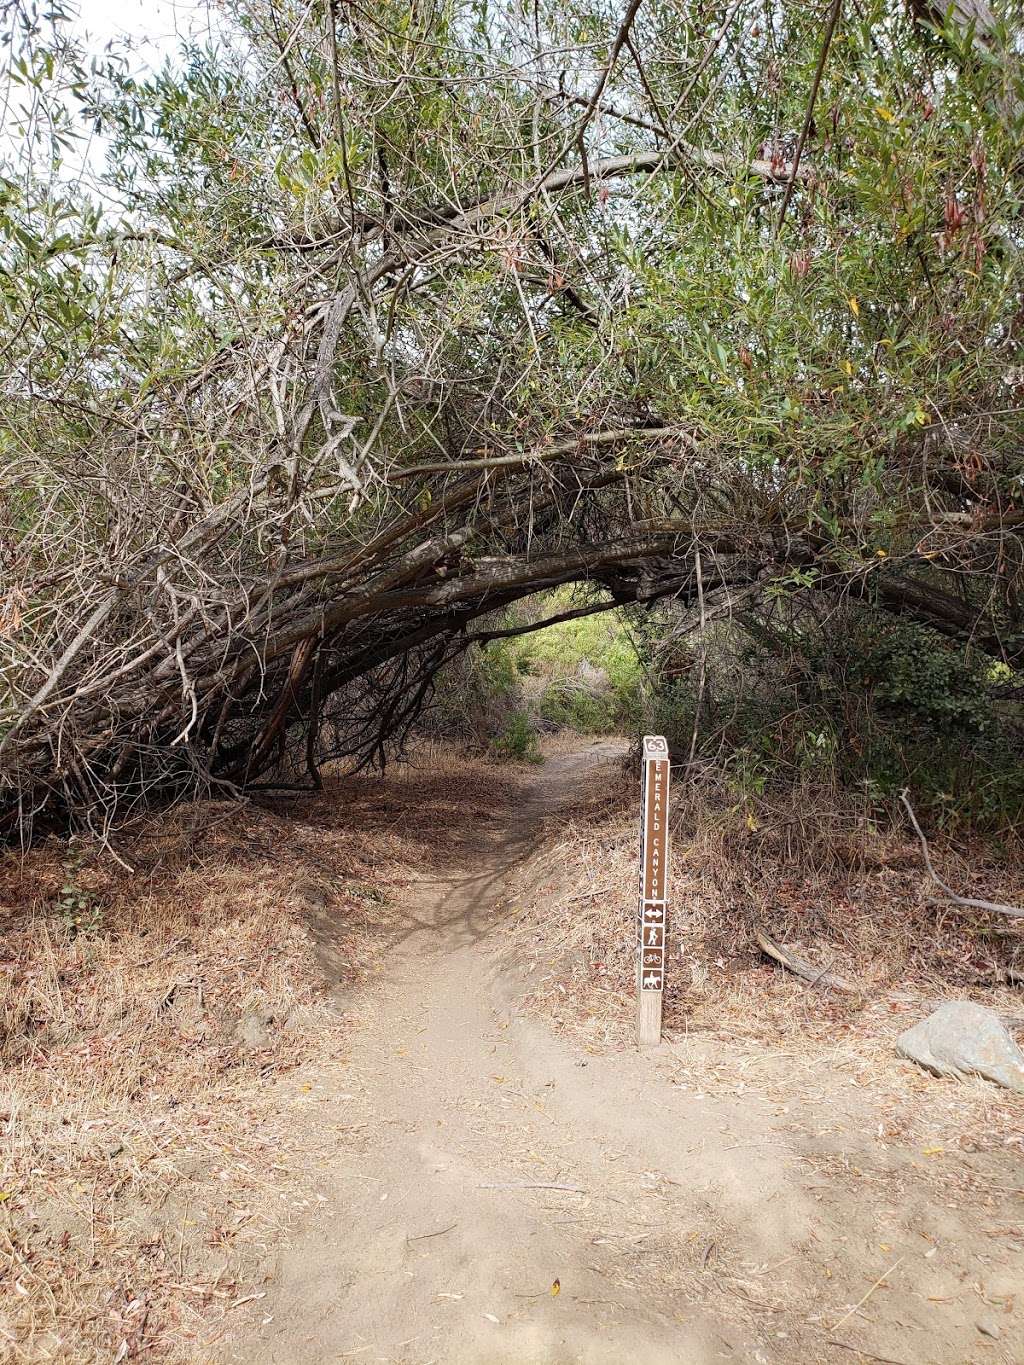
(480, 1159)
(432, 1246)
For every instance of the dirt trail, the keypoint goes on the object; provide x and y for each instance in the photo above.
(443, 1228)
(413, 1258)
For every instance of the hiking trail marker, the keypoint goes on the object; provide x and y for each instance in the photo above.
(652, 911)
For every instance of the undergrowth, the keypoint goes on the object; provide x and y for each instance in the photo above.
(581, 675)
(852, 713)
(823, 874)
(843, 711)
(518, 740)
(143, 1018)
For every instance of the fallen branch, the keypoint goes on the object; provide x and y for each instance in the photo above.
(817, 976)
(1014, 911)
(423, 1236)
(861, 1302)
(530, 1185)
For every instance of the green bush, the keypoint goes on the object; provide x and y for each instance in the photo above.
(474, 695)
(866, 704)
(557, 655)
(497, 668)
(914, 672)
(517, 742)
(574, 708)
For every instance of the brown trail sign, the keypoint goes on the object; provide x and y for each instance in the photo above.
(652, 911)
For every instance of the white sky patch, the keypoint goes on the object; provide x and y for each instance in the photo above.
(145, 34)
(152, 29)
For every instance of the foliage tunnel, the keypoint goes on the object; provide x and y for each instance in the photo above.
(356, 323)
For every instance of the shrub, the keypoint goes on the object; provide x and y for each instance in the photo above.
(574, 707)
(474, 695)
(859, 703)
(563, 655)
(517, 742)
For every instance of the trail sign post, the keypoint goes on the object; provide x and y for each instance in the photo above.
(652, 911)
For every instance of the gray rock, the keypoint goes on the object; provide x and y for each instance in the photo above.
(988, 1327)
(963, 1039)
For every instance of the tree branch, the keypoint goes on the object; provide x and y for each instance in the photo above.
(1013, 911)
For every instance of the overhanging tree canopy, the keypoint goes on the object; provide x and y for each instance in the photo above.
(384, 317)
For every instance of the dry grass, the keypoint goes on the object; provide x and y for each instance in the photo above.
(154, 1158)
(152, 1063)
(144, 1163)
(740, 1025)
(845, 894)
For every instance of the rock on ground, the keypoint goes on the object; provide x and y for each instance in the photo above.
(963, 1039)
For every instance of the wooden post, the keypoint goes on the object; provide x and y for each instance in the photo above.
(652, 911)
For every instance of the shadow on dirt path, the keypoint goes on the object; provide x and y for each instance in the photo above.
(479, 1162)
(461, 1193)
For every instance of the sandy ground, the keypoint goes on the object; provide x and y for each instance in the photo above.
(500, 1193)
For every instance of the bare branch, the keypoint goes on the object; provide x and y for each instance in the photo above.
(1013, 911)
